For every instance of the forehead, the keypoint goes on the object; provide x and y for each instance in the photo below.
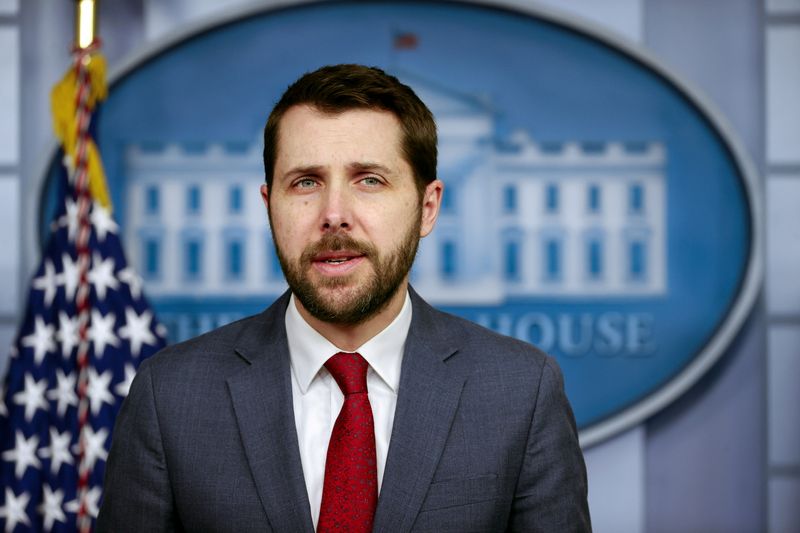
(305, 132)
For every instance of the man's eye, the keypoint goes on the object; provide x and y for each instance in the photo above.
(371, 181)
(305, 183)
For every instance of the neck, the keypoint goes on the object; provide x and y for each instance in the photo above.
(349, 338)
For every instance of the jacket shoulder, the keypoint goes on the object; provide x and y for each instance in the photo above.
(218, 342)
(220, 351)
(479, 342)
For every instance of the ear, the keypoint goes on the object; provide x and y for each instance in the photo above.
(431, 201)
(265, 196)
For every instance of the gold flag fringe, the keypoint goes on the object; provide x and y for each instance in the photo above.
(64, 103)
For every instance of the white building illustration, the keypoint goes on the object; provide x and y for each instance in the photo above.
(520, 218)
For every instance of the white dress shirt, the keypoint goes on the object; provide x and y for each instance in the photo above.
(317, 398)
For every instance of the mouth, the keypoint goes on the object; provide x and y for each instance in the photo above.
(337, 257)
(337, 262)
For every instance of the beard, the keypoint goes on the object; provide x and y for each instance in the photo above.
(346, 300)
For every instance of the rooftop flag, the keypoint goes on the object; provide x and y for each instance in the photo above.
(405, 41)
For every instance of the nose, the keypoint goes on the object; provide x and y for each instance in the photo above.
(336, 210)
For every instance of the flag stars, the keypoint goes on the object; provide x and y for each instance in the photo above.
(14, 510)
(32, 396)
(47, 282)
(92, 503)
(70, 219)
(102, 222)
(64, 393)
(69, 277)
(124, 387)
(102, 276)
(67, 334)
(51, 507)
(97, 390)
(58, 451)
(137, 330)
(23, 454)
(101, 332)
(41, 340)
(133, 280)
(94, 446)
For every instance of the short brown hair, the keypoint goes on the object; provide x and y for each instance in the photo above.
(338, 88)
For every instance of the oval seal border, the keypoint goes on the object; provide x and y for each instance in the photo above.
(750, 285)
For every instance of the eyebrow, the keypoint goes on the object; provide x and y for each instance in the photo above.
(309, 169)
(359, 166)
(368, 165)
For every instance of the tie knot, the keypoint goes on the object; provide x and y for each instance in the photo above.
(350, 372)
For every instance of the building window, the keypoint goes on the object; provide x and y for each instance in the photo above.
(193, 258)
(636, 198)
(235, 259)
(152, 258)
(509, 199)
(193, 200)
(637, 260)
(151, 200)
(511, 255)
(234, 248)
(235, 199)
(552, 259)
(551, 198)
(593, 199)
(448, 258)
(194, 252)
(151, 249)
(594, 258)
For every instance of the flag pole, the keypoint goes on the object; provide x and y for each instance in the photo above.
(85, 23)
(85, 44)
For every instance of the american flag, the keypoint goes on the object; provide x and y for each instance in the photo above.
(59, 406)
(405, 40)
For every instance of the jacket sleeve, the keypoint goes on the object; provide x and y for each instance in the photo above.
(551, 493)
(136, 494)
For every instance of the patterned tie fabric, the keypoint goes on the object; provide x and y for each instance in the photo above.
(350, 491)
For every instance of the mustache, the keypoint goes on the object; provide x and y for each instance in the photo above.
(333, 242)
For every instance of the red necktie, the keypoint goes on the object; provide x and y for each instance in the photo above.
(350, 491)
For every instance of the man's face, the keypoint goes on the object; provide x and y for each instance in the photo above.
(345, 213)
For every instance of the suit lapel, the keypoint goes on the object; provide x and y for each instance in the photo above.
(262, 400)
(428, 397)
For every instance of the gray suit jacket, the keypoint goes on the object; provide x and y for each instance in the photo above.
(483, 437)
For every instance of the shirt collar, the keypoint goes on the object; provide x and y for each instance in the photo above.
(308, 350)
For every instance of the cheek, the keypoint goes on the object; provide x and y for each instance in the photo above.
(286, 235)
(391, 224)
(291, 215)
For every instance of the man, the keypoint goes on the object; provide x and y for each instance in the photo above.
(349, 404)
